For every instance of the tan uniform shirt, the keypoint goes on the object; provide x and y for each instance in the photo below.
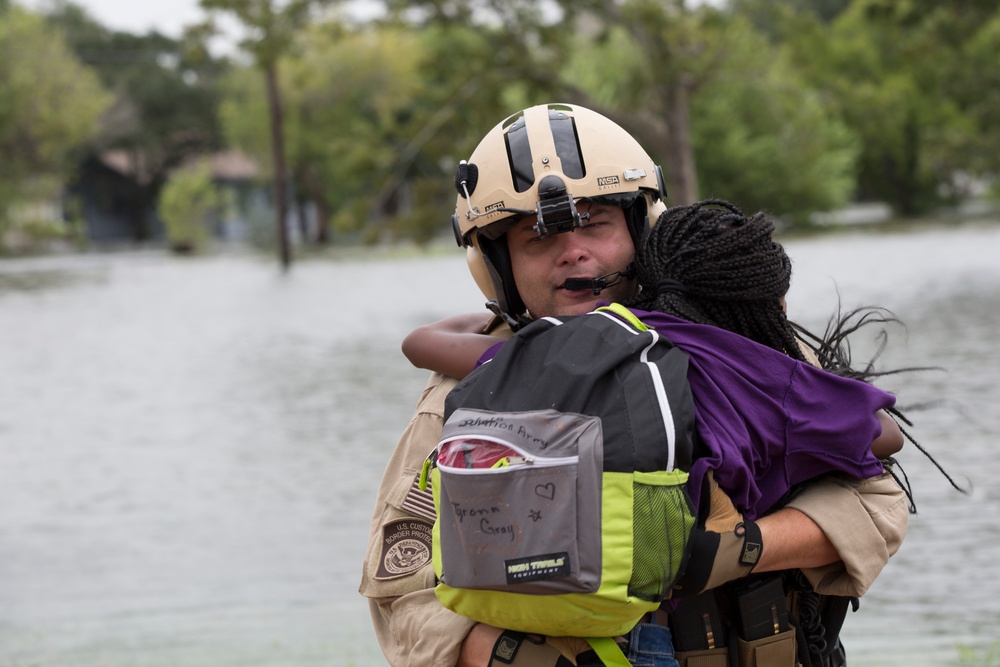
(412, 627)
(865, 521)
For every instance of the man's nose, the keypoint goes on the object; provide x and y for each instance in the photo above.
(571, 248)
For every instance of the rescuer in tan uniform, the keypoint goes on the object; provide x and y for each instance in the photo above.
(839, 532)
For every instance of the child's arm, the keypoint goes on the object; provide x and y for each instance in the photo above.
(891, 439)
(451, 346)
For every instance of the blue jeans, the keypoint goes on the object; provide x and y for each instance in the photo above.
(651, 645)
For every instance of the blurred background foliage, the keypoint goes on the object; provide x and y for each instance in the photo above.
(791, 106)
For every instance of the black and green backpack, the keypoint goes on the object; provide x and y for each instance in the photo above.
(559, 480)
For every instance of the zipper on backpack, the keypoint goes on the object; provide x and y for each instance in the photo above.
(519, 459)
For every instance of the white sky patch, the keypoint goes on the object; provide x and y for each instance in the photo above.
(170, 18)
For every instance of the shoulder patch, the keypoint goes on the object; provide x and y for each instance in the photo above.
(406, 547)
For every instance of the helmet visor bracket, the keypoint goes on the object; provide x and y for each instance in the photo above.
(557, 215)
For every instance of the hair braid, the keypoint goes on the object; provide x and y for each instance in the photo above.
(725, 270)
(732, 272)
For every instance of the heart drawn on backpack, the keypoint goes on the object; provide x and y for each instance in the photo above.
(546, 490)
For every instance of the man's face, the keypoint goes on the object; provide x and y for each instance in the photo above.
(542, 265)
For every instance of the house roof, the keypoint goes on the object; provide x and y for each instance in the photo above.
(230, 165)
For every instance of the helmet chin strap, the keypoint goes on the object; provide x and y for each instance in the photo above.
(511, 321)
(597, 285)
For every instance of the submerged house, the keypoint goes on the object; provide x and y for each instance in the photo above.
(112, 204)
(112, 196)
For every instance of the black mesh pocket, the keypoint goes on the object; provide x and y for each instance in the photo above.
(662, 523)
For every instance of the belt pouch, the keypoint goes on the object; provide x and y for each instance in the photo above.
(774, 651)
(712, 657)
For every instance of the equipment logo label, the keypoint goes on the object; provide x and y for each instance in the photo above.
(535, 568)
(607, 181)
(406, 547)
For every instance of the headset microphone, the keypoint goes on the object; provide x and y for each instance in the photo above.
(597, 285)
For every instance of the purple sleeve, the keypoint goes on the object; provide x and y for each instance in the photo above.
(490, 353)
(769, 421)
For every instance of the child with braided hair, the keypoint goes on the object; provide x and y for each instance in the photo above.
(708, 264)
(713, 282)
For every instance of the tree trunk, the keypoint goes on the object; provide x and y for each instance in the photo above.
(140, 203)
(302, 214)
(681, 174)
(278, 152)
(322, 222)
(312, 190)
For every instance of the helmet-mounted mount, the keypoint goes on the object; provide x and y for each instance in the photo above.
(557, 212)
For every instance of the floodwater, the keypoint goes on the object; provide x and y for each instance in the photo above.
(189, 448)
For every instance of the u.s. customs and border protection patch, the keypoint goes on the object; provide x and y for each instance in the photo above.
(406, 547)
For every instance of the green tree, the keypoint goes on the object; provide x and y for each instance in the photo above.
(769, 142)
(49, 107)
(682, 49)
(243, 114)
(673, 51)
(768, 16)
(377, 118)
(417, 137)
(910, 79)
(272, 29)
(760, 135)
(952, 50)
(189, 204)
(977, 91)
(350, 94)
(164, 112)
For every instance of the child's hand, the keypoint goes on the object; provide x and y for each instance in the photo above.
(891, 440)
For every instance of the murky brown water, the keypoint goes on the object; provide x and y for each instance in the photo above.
(189, 448)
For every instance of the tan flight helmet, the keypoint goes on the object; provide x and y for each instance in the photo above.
(540, 162)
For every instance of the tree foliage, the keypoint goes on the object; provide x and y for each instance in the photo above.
(271, 28)
(188, 205)
(786, 105)
(910, 79)
(165, 99)
(49, 107)
(350, 94)
(765, 139)
(377, 119)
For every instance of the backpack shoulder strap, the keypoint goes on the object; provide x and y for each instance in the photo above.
(608, 651)
(626, 314)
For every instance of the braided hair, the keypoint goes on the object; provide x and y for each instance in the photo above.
(710, 264)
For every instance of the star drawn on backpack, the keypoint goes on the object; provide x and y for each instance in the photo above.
(535, 515)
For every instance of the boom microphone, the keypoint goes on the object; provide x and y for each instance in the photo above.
(597, 285)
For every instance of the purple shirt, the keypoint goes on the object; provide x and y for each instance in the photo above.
(768, 421)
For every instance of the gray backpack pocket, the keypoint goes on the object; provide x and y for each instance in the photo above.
(519, 501)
